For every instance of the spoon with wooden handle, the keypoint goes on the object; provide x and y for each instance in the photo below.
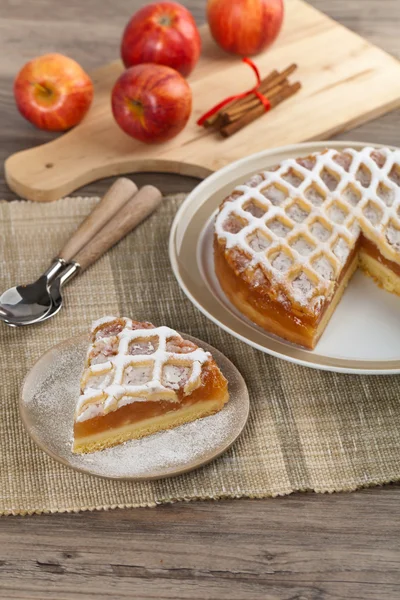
(136, 210)
(25, 304)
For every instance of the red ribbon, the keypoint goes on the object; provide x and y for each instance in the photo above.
(255, 90)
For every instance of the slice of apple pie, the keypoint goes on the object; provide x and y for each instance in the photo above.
(139, 379)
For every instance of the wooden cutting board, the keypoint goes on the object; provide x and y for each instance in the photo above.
(346, 81)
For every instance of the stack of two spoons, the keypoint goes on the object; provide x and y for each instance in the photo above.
(121, 209)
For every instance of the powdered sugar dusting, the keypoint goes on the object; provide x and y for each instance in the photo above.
(314, 195)
(320, 232)
(341, 249)
(258, 241)
(373, 213)
(278, 227)
(275, 194)
(303, 246)
(352, 195)
(281, 262)
(303, 286)
(50, 396)
(337, 213)
(297, 213)
(386, 194)
(324, 267)
(393, 236)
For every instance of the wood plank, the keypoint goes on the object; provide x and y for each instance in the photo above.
(374, 20)
(295, 547)
(346, 81)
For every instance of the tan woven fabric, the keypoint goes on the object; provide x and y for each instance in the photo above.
(308, 430)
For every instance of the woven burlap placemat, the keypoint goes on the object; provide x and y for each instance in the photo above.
(308, 430)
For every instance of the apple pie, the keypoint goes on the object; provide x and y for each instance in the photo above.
(139, 379)
(288, 241)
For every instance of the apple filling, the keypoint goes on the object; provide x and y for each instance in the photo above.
(284, 321)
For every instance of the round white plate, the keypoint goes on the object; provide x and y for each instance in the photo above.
(47, 404)
(363, 335)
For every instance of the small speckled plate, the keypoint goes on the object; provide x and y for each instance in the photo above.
(47, 403)
(363, 334)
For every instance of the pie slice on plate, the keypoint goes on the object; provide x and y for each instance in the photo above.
(139, 379)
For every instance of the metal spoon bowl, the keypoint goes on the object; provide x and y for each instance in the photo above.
(28, 304)
(53, 300)
(25, 304)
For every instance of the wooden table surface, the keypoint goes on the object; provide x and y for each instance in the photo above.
(302, 547)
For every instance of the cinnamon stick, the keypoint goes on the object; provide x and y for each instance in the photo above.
(229, 112)
(212, 121)
(228, 119)
(242, 111)
(233, 116)
(265, 83)
(280, 93)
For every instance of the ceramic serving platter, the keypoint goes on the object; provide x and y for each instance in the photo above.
(363, 335)
(47, 403)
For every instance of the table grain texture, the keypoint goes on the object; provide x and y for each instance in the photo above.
(301, 547)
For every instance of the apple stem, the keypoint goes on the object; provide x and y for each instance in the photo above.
(43, 89)
(165, 21)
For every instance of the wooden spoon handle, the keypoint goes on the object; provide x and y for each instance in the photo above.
(118, 195)
(129, 216)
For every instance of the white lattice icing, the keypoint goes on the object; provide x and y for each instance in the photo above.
(308, 217)
(135, 364)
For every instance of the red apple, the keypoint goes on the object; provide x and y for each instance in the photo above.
(245, 27)
(151, 103)
(53, 92)
(164, 33)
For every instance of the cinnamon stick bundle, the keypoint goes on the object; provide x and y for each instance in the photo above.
(280, 94)
(241, 112)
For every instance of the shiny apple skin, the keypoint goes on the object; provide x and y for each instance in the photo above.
(245, 27)
(164, 33)
(151, 103)
(53, 92)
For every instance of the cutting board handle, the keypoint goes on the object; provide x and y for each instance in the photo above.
(58, 168)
